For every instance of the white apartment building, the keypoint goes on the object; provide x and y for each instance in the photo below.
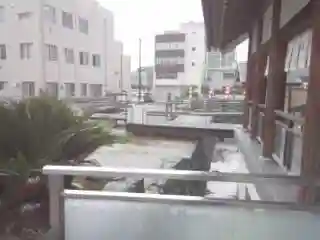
(62, 47)
(179, 60)
(221, 69)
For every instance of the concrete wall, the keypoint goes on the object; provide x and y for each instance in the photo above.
(160, 93)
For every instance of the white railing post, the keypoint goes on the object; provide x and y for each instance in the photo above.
(56, 201)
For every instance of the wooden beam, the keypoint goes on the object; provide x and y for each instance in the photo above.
(258, 75)
(298, 24)
(259, 90)
(311, 135)
(276, 80)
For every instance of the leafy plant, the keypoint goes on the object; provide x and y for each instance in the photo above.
(44, 130)
(36, 132)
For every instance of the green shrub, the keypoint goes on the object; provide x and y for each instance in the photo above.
(33, 133)
(44, 130)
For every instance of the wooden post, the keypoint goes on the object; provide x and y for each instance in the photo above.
(276, 82)
(311, 134)
(258, 89)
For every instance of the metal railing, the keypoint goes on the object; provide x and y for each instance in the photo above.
(164, 112)
(57, 193)
(288, 141)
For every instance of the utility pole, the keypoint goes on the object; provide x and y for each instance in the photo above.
(139, 87)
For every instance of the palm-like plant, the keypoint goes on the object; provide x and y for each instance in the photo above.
(44, 130)
(41, 131)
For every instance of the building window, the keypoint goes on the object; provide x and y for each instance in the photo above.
(3, 52)
(169, 61)
(2, 14)
(84, 89)
(69, 55)
(229, 75)
(95, 90)
(25, 50)
(50, 14)
(67, 20)
(3, 85)
(70, 89)
(193, 64)
(84, 58)
(52, 52)
(96, 60)
(194, 49)
(52, 89)
(28, 89)
(170, 46)
(83, 25)
(24, 15)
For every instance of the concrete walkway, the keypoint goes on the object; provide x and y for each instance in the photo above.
(228, 158)
(252, 152)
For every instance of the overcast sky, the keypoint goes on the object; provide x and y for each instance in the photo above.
(143, 19)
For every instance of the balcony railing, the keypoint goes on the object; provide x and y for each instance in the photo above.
(82, 215)
(288, 141)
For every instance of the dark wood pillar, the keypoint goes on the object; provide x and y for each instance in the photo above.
(248, 85)
(311, 135)
(258, 92)
(276, 82)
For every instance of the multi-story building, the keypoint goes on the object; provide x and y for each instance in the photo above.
(120, 70)
(61, 47)
(179, 59)
(221, 69)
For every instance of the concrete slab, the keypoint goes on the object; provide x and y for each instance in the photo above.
(252, 152)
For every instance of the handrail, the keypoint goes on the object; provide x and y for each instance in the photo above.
(289, 117)
(288, 129)
(196, 113)
(102, 172)
(56, 189)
